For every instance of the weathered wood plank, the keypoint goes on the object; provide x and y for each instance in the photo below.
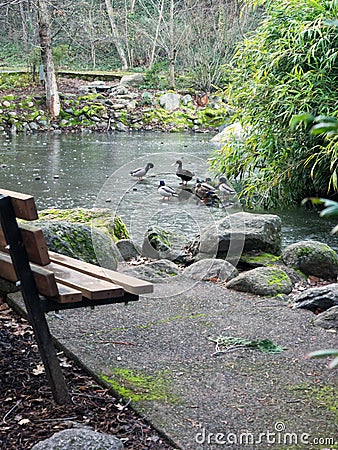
(90, 286)
(67, 294)
(23, 204)
(34, 242)
(44, 279)
(129, 284)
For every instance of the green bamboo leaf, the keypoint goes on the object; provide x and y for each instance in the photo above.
(323, 353)
(334, 363)
(325, 119)
(313, 200)
(330, 211)
(301, 118)
(322, 128)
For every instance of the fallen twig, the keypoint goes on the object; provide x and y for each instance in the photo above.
(122, 409)
(10, 411)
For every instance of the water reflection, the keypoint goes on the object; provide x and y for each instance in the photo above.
(66, 171)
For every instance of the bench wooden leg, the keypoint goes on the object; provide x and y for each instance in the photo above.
(32, 301)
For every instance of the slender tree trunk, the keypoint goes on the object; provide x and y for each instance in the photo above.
(116, 37)
(160, 17)
(172, 48)
(52, 95)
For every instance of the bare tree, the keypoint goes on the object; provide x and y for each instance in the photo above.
(160, 18)
(52, 95)
(172, 50)
(116, 36)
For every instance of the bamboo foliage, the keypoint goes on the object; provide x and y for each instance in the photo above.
(287, 67)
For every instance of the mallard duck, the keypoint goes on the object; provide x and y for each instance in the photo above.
(184, 174)
(205, 191)
(225, 189)
(141, 171)
(166, 191)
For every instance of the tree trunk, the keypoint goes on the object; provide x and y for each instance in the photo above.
(52, 95)
(160, 17)
(172, 48)
(116, 37)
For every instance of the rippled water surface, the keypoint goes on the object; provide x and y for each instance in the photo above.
(92, 170)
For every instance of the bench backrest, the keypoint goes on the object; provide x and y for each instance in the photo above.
(64, 279)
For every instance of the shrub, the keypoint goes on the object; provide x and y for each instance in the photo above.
(287, 67)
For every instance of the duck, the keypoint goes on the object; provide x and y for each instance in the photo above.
(225, 189)
(166, 191)
(205, 191)
(184, 174)
(141, 171)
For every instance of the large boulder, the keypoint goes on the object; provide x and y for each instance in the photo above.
(237, 233)
(318, 299)
(312, 258)
(80, 242)
(262, 281)
(233, 132)
(79, 439)
(211, 269)
(100, 218)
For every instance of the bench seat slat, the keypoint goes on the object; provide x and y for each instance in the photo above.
(47, 277)
(44, 279)
(129, 284)
(23, 204)
(34, 242)
(67, 294)
(91, 287)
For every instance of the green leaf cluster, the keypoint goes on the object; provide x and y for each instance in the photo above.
(288, 67)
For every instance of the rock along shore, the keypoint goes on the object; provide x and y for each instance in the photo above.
(107, 107)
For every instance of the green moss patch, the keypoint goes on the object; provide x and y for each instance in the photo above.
(260, 259)
(138, 386)
(98, 218)
(324, 396)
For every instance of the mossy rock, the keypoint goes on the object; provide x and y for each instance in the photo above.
(312, 258)
(75, 240)
(99, 218)
(268, 281)
(259, 259)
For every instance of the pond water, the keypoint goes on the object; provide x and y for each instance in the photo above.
(92, 170)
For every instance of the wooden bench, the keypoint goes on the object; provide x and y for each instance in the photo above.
(50, 281)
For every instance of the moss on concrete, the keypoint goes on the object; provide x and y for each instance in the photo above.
(139, 386)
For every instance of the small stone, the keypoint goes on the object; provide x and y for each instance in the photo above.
(79, 439)
(318, 299)
(127, 249)
(209, 269)
(328, 319)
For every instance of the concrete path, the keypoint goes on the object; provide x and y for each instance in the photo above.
(158, 350)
